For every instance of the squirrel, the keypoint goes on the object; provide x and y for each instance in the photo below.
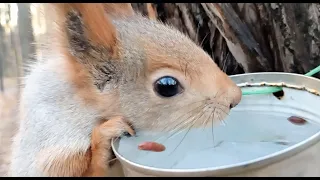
(109, 71)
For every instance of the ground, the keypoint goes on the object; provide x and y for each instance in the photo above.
(8, 120)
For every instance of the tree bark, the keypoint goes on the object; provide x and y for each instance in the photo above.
(2, 58)
(26, 36)
(248, 37)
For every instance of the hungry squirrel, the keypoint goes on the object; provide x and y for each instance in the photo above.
(109, 71)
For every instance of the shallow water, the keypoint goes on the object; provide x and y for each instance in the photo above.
(245, 136)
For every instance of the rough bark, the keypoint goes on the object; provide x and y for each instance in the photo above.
(249, 37)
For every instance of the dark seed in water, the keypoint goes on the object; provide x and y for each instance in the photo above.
(297, 120)
(279, 94)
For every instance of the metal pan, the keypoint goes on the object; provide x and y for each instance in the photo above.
(257, 140)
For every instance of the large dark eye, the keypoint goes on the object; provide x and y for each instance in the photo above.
(167, 86)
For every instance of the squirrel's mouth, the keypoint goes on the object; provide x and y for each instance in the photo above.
(132, 127)
(126, 134)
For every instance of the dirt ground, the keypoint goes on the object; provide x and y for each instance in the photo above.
(8, 125)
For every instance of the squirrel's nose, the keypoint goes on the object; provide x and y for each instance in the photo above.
(235, 94)
(232, 105)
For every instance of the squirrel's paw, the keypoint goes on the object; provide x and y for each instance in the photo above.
(112, 128)
(101, 144)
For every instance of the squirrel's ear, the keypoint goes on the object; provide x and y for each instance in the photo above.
(86, 28)
(87, 35)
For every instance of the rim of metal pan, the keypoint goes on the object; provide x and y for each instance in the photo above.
(295, 80)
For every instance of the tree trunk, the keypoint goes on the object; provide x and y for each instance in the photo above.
(248, 37)
(25, 34)
(2, 58)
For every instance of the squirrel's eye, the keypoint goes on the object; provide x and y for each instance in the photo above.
(167, 86)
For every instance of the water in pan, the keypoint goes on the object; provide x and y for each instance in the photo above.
(245, 136)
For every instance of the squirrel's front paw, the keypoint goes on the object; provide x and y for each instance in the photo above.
(101, 144)
(112, 128)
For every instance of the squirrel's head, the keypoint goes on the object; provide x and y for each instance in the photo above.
(164, 80)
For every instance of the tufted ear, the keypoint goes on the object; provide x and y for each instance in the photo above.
(86, 34)
(85, 23)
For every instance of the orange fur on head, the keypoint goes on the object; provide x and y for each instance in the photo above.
(118, 9)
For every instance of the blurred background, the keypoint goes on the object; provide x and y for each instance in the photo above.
(21, 26)
(240, 37)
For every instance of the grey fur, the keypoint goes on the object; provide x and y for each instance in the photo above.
(51, 115)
